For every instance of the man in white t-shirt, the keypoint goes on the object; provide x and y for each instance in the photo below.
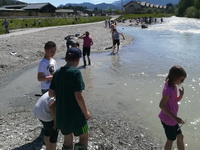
(47, 66)
(43, 110)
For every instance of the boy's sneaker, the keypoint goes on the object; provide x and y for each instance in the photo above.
(79, 146)
(67, 148)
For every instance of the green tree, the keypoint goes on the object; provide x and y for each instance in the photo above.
(197, 4)
(191, 12)
(183, 5)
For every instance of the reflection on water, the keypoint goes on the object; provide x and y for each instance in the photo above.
(131, 82)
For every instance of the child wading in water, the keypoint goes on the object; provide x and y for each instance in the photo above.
(169, 107)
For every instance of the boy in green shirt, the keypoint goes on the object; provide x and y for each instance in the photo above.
(71, 112)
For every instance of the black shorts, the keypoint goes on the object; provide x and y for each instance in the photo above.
(171, 131)
(50, 131)
(86, 51)
(116, 42)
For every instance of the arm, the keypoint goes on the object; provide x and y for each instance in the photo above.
(162, 106)
(81, 37)
(42, 77)
(81, 102)
(52, 93)
(122, 36)
(181, 94)
(52, 108)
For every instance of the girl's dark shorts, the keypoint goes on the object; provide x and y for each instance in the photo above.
(50, 131)
(116, 42)
(86, 51)
(171, 131)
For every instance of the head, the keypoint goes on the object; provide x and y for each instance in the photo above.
(73, 56)
(50, 49)
(87, 33)
(176, 75)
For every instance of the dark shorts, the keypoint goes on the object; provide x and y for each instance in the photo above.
(86, 51)
(44, 91)
(171, 131)
(76, 124)
(116, 42)
(50, 131)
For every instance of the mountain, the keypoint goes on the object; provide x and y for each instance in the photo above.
(117, 4)
(9, 2)
(103, 6)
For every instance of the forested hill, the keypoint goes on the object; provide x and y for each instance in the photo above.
(9, 2)
(189, 8)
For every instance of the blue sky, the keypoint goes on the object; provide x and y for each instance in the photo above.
(58, 2)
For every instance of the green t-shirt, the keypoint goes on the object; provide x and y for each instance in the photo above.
(66, 81)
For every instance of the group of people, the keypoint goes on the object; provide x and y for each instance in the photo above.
(72, 40)
(62, 106)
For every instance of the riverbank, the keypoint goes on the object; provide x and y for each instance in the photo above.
(109, 130)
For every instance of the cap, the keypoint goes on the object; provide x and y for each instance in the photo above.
(74, 52)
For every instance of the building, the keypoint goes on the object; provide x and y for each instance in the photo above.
(65, 12)
(23, 10)
(135, 7)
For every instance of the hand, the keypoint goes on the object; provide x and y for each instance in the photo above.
(181, 91)
(87, 115)
(179, 120)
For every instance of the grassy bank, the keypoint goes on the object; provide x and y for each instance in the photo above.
(47, 22)
(154, 15)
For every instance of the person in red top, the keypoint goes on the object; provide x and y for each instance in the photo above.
(87, 43)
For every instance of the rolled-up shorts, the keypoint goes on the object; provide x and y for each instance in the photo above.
(171, 131)
(50, 131)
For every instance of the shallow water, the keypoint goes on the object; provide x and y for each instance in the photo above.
(132, 81)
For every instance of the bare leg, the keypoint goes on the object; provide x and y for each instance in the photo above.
(88, 57)
(180, 143)
(83, 142)
(117, 49)
(84, 139)
(68, 141)
(48, 144)
(168, 145)
(84, 61)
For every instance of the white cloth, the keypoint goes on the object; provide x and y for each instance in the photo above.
(41, 109)
(48, 67)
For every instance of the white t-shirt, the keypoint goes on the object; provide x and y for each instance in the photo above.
(41, 109)
(48, 67)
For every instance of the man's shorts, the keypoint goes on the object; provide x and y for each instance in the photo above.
(76, 125)
(171, 131)
(50, 131)
(86, 51)
(116, 42)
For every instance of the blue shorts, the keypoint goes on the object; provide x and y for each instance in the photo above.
(171, 131)
(50, 131)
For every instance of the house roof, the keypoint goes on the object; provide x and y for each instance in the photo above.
(131, 2)
(64, 10)
(26, 6)
(144, 4)
(36, 6)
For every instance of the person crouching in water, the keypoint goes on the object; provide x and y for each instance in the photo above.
(87, 43)
(71, 112)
